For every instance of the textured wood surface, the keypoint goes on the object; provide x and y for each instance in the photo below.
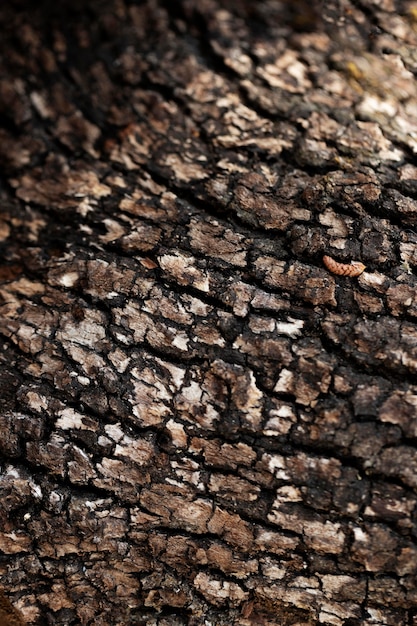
(199, 423)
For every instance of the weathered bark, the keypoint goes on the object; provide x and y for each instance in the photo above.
(200, 424)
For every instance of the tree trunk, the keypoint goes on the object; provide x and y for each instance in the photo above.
(203, 423)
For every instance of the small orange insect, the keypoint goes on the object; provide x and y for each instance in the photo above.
(354, 268)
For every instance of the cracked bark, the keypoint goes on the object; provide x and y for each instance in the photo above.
(201, 424)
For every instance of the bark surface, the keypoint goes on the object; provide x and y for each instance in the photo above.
(200, 424)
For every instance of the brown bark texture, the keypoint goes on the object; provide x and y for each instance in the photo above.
(200, 423)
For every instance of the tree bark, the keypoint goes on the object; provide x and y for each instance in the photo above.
(202, 424)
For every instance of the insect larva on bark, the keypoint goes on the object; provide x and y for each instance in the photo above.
(354, 268)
